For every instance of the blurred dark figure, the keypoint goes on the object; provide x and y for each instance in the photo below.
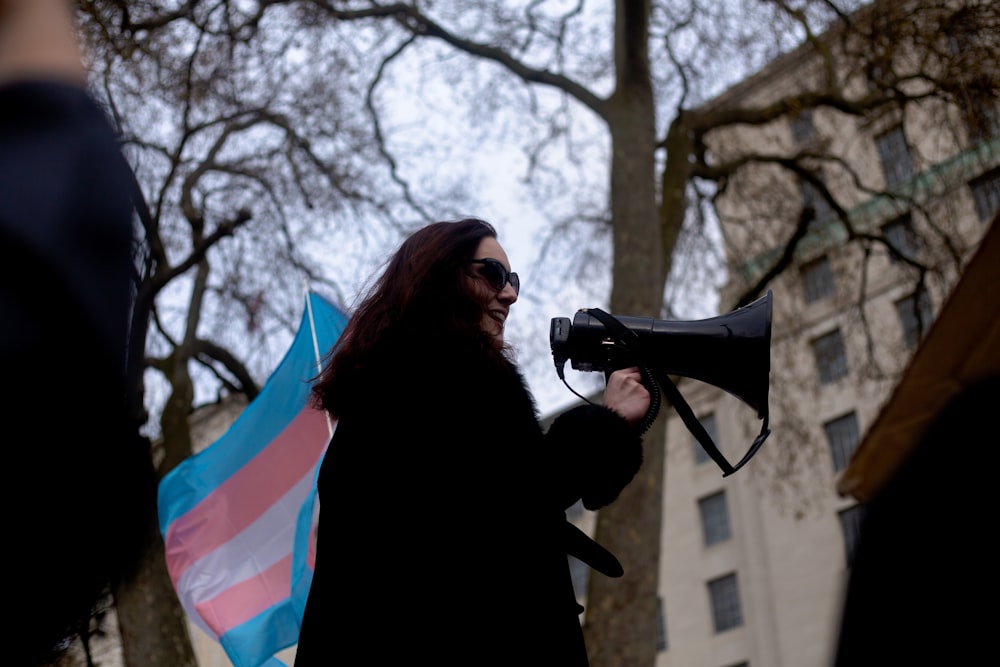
(80, 486)
(925, 571)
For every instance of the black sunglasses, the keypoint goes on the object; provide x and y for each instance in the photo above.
(497, 275)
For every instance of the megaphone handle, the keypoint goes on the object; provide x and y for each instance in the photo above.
(654, 396)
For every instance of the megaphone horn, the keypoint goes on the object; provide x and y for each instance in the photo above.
(731, 351)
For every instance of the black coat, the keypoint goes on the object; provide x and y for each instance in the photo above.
(443, 535)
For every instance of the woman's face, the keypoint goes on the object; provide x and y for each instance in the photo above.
(485, 278)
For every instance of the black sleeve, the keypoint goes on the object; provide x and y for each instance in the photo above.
(65, 209)
(65, 299)
(599, 454)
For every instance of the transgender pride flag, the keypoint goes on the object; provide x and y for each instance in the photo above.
(237, 518)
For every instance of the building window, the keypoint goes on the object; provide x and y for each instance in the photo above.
(915, 316)
(580, 572)
(851, 521)
(842, 435)
(708, 423)
(714, 518)
(817, 279)
(899, 232)
(967, 84)
(803, 129)
(981, 120)
(878, 72)
(725, 598)
(897, 163)
(831, 356)
(961, 28)
(811, 197)
(661, 625)
(986, 193)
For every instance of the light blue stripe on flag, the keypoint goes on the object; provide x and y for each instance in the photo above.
(278, 403)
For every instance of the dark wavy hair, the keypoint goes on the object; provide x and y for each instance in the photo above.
(420, 292)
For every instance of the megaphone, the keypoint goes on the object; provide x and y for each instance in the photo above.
(731, 351)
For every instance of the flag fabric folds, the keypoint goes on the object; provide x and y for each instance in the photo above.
(237, 518)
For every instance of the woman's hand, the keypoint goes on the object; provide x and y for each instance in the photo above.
(626, 395)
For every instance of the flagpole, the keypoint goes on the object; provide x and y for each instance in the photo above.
(316, 351)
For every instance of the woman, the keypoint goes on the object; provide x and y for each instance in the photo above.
(442, 534)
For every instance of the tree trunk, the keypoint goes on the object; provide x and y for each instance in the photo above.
(151, 619)
(621, 620)
(152, 622)
(621, 625)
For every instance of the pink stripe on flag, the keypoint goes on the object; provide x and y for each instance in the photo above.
(257, 485)
(241, 602)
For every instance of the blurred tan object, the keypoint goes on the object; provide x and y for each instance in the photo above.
(38, 40)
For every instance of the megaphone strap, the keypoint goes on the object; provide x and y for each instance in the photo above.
(581, 546)
(699, 432)
(693, 424)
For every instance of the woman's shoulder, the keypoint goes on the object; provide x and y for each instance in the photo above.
(425, 370)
